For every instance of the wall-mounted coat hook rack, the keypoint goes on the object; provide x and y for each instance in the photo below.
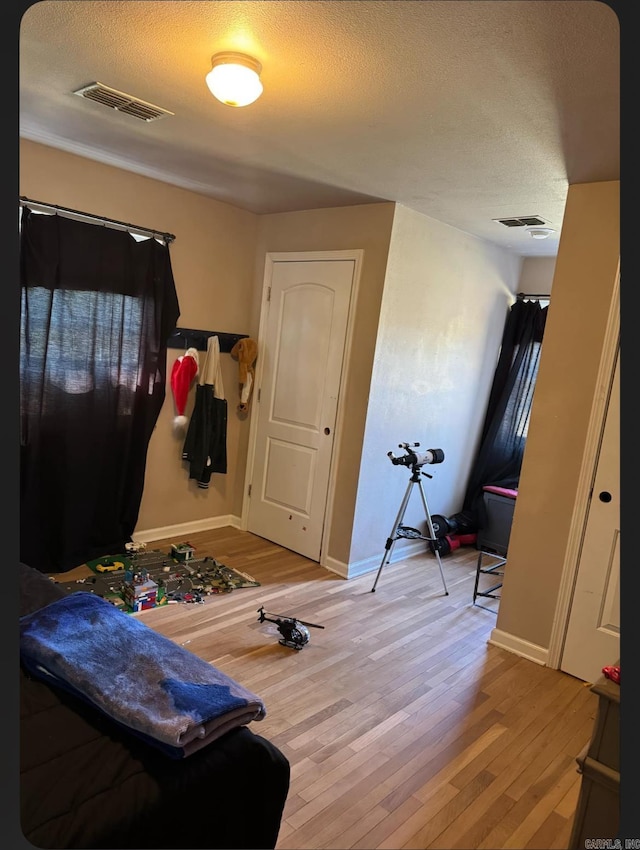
(191, 338)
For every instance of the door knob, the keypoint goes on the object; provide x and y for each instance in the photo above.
(327, 431)
(605, 496)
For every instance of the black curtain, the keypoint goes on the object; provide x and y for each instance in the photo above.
(97, 307)
(504, 432)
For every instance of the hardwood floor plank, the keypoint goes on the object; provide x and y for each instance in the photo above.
(562, 837)
(398, 831)
(380, 730)
(415, 771)
(567, 805)
(344, 777)
(521, 818)
(542, 752)
(436, 822)
(542, 838)
(350, 767)
(532, 822)
(523, 721)
(373, 829)
(453, 764)
(349, 836)
(468, 829)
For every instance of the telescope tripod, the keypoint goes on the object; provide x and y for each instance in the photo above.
(399, 530)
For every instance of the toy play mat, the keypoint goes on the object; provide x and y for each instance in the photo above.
(154, 578)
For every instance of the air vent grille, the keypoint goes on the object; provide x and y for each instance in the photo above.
(521, 221)
(122, 102)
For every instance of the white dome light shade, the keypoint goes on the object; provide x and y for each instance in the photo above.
(235, 79)
(540, 232)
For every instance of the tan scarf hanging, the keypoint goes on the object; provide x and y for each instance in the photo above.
(245, 352)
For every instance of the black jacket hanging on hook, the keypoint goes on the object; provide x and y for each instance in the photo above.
(205, 446)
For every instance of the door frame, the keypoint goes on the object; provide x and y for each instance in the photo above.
(272, 257)
(585, 481)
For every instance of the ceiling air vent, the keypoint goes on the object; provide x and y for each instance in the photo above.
(122, 102)
(521, 221)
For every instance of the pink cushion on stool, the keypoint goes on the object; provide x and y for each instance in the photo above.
(501, 491)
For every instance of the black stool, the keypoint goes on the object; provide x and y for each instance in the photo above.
(493, 538)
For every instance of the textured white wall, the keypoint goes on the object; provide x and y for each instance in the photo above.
(443, 310)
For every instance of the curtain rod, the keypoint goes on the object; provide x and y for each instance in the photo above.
(168, 237)
(534, 297)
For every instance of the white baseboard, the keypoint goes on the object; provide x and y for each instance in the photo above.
(368, 565)
(335, 566)
(519, 646)
(184, 529)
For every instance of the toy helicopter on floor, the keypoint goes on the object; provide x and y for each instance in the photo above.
(294, 632)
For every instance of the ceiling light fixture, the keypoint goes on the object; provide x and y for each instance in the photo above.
(540, 232)
(235, 78)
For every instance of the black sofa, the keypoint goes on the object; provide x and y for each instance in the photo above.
(87, 783)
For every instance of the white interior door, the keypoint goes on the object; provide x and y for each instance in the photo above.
(301, 356)
(593, 634)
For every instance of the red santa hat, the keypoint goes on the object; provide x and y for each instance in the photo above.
(184, 370)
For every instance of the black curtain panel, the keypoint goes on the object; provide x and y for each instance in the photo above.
(97, 307)
(506, 423)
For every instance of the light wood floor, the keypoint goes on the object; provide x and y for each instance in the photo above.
(403, 727)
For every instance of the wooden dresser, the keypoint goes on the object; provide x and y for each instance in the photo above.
(598, 811)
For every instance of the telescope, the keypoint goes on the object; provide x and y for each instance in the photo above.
(415, 458)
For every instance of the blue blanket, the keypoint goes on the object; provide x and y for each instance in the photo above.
(141, 679)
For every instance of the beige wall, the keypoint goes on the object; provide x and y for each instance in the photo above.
(213, 267)
(443, 310)
(536, 277)
(367, 227)
(583, 283)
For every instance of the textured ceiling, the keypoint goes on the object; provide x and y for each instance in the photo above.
(464, 110)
